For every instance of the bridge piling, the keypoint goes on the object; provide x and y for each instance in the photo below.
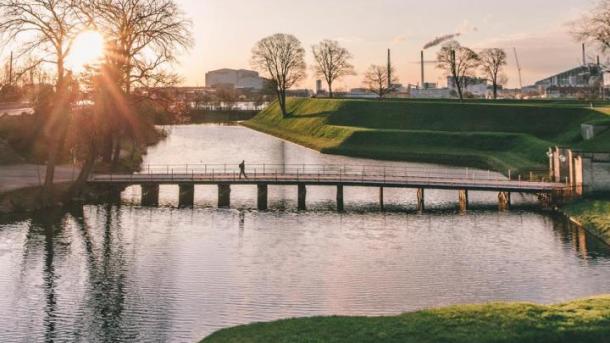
(504, 201)
(262, 197)
(186, 197)
(381, 200)
(302, 201)
(150, 194)
(302, 197)
(463, 200)
(340, 204)
(224, 195)
(421, 201)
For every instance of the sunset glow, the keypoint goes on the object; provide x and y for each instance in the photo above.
(88, 48)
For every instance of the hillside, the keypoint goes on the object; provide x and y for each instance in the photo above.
(495, 135)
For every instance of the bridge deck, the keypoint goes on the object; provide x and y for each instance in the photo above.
(390, 181)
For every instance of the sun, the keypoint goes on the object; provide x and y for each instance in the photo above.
(88, 48)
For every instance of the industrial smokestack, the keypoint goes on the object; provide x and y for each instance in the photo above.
(389, 69)
(423, 76)
(598, 64)
(584, 55)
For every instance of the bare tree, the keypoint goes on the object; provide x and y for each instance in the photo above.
(459, 62)
(282, 58)
(143, 39)
(594, 26)
(492, 61)
(332, 62)
(48, 28)
(376, 79)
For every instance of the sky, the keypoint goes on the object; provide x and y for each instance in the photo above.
(226, 30)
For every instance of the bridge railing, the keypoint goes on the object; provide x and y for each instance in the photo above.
(320, 169)
(336, 171)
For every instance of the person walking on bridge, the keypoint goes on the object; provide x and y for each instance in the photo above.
(242, 170)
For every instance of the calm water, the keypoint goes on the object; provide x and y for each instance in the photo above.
(127, 273)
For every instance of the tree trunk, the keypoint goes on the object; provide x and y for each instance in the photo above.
(495, 87)
(107, 147)
(58, 130)
(330, 90)
(116, 154)
(458, 85)
(85, 172)
(282, 100)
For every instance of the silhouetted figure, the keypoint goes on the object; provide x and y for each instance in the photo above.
(242, 169)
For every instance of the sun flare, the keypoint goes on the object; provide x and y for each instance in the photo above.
(88, 48)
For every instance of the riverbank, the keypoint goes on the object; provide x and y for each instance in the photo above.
(21, 189)
(487, 135)
(593, 214)
(586, 320)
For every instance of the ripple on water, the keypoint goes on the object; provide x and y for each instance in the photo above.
(139, 274)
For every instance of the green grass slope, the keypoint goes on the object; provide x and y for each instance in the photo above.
(501, 136)
(579, 321)
(593, 213)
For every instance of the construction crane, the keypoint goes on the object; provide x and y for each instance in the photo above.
(518, 68)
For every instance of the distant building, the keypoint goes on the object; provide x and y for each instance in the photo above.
(583, 81)
(299, 93)
(319, 89)
(361, 93)
(239, 79)
(585, 76)
(473, 85)
(431, 93)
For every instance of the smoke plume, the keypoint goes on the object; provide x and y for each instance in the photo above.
(441, 39)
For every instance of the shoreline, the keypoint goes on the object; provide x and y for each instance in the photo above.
(591, 214)
(289, 137)
(584, 320)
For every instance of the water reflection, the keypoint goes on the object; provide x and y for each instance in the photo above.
(126, 273)
(112, 273)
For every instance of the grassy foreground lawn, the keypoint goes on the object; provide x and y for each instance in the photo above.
(494, 135)
(579, 321)
(594, 214)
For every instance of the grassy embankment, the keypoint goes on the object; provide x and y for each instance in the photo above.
(579, 321)
(495, 135)
(593, 214)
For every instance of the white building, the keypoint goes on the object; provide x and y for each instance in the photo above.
(431, 93)
(241, 79)
(474, 85)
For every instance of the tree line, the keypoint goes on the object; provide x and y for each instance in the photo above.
(142, 37)
(281, 57)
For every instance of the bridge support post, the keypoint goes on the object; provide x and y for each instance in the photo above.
(340, 204)
(262, 197)
(302, 197)
(504, 201)
(150, 194)
(421, 201)
(186, 197)
(463, 200)
(381, 199)
(224, 195)
(114, 194)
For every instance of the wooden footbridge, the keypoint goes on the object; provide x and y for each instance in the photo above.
(339, 176)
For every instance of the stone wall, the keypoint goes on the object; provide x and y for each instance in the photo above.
(585, 172)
